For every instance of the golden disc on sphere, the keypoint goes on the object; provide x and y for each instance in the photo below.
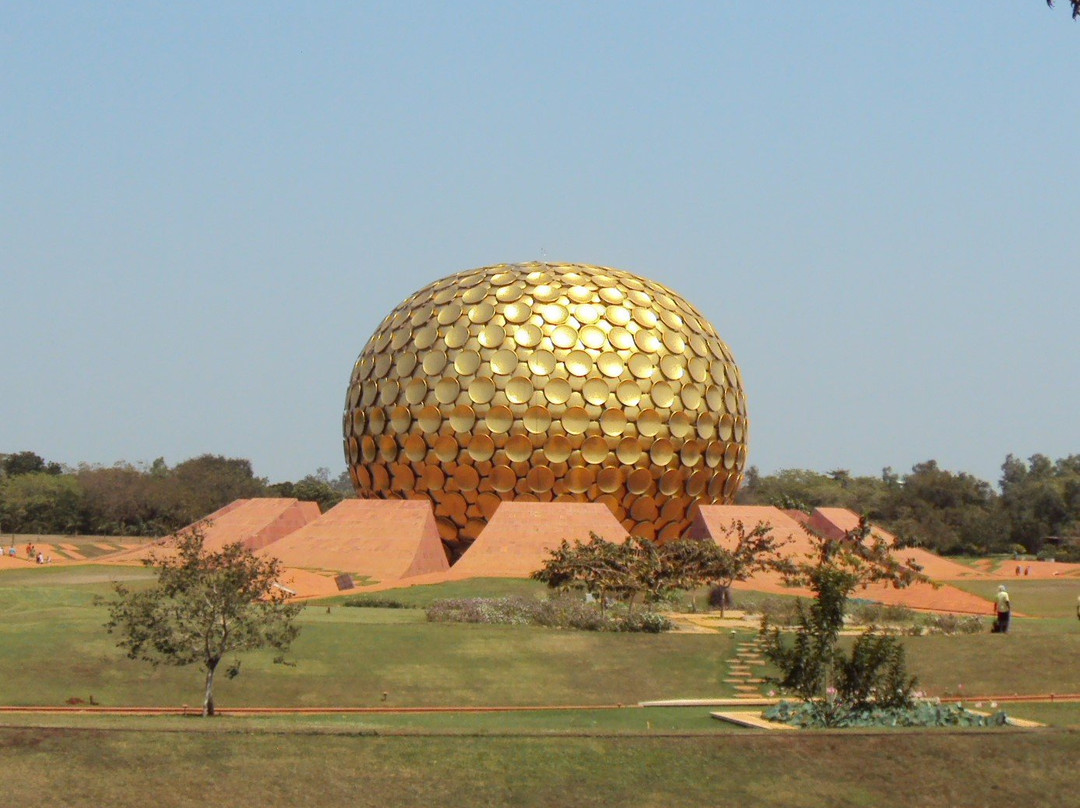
(508, 294)
(594, 450)
(466, 363)
(447, 390)
(628, 451)
(610, 364)
(613, 422)
(462, 418)
(528, 335)
(415, 448)
(564, 336)
(558, 391)
(579, 363)
(542, 363)
(596, 391)
(430, 419)
(575, 421)
(500, 419)
(540, 479)
(609, 479)
(628, 392)
(519, 390)
(482, 390)
(537, 420)
(503, 478)
(670, 483)
(491, 336)
(481, 448)
(446, 448)
(558, 449)
(504, 362)
(517, 312)
(591, 336)
(641, 366)
(648, 423)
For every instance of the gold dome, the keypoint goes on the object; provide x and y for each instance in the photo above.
(547, 382)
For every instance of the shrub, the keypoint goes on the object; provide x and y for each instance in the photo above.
(647, 622)
(556, 612)
(951, 624)
(918, 714)
(367, 602)
(720, 597)
(868, 613)
(874, 674)
(778, 611)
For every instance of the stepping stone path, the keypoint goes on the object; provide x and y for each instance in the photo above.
(747, 654)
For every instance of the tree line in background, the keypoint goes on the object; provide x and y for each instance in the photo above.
(43, 497)
(1037, 501)
(944, 511)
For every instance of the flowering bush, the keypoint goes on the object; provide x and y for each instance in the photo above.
(557, 612)
(952, 624)
(924, 713)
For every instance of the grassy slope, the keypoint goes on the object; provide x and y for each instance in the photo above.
(52, 646)
(46, 767)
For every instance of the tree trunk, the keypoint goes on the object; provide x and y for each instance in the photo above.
(208, 701)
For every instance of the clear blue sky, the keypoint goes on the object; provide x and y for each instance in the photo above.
(207, 208)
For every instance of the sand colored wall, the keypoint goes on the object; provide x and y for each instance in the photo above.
(378, 539)
(520, 536)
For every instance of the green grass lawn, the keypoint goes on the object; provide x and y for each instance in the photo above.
(53, 648)
(76, 768)
(1046, 598)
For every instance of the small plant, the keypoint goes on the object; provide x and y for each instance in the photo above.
(556, 612)
(368, 602)
(924, 713)
(950, 624)
(810, 664)
(868, 613)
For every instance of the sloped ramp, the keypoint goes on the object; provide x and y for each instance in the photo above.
(254, 522)
(380, 540)
(835, 522)
(716, 522)
(521, 535)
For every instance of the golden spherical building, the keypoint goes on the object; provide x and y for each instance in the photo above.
(547, 382)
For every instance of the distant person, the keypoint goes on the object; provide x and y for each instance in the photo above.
(1027, 570)
(1078, 608)
(1004, 608)
(1018, 570)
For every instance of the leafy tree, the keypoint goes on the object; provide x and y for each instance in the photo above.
(1075, 7)
(204, 606)
(123, 500)
(835, 569)
(745, 551)
(599, 567)
(39, 502)
(27, 463)
(208, 482)
(642, 567)
(312, 488)
(1040, 498)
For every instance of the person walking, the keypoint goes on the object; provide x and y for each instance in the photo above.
(1004, 608)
